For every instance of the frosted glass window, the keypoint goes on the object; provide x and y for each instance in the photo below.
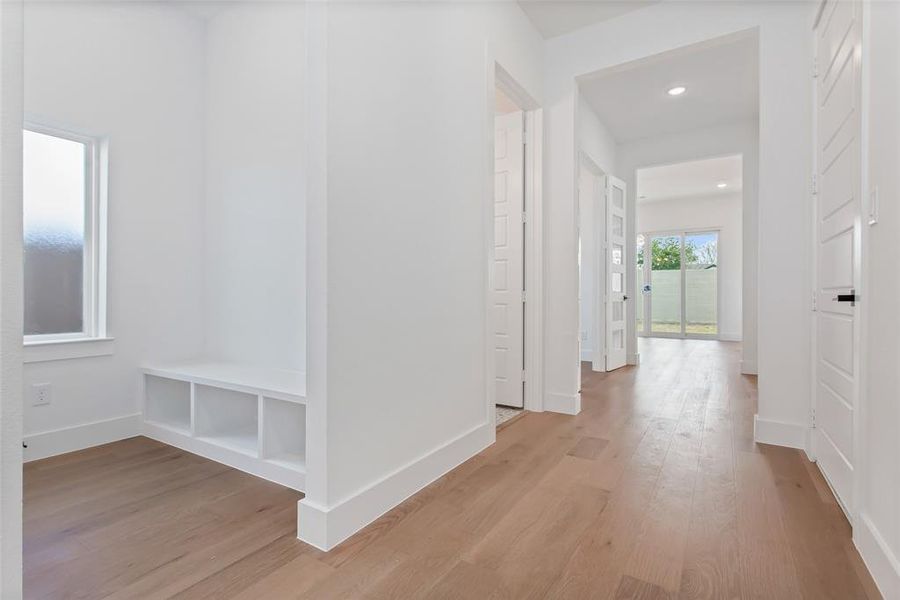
(58, 204)
(618, 197)
(616, 282)
(618, 226)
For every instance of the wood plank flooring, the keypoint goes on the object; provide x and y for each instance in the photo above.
(656, 490)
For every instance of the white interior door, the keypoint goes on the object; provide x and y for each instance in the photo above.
(615, 273)
(508, 272)
(837, 244)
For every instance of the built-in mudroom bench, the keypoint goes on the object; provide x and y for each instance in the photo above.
(250, 418)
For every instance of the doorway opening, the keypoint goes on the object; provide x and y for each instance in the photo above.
(602, 218)
(689, 250)
(680, 284)
(681, 129)
(514, 293)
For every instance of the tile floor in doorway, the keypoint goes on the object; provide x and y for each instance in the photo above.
(505, 413)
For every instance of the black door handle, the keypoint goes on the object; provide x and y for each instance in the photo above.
(851, 298)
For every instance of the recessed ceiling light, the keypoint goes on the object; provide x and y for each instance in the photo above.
(722, 185)
(677, 90)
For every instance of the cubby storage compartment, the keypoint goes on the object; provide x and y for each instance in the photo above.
(250, 418)
(167, 402)
(227, 418)
(284, 433)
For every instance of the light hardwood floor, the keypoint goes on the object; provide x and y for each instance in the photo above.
(656, 490)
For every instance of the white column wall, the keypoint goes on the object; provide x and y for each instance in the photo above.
(11, 418)
(596, 141)
(399, 314)
(255, 259)
(877, 527)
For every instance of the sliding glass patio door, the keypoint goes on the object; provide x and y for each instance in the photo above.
(701, 283)
(680, 292)
(665, 285)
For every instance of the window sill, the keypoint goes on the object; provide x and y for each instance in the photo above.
(46, 351)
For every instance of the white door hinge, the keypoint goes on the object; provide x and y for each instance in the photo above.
(523, 376)
(815, 69)
(524, 217)
(523, 296)
(813, 184)
(812, 418)
(815, 305)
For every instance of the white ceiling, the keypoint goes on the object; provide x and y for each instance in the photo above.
(721, 77)
(556, 17)
(694, 179)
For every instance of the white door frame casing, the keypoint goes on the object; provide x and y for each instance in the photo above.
(500, 78)
(11, 298)
(598, 307)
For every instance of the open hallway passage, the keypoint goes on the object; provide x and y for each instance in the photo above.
(656, 490)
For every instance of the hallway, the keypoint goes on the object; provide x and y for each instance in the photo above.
(656, 490)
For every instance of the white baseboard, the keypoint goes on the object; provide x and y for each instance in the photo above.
(634, 359)
(748, 367)
(730, 337)
(790, 435)
(79, 437)
(881, 562)
(563, 403)
(325, 528)
(235, 459)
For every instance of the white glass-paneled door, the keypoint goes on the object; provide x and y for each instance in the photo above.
(679, 295)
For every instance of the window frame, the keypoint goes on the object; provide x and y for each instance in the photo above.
(94, 251)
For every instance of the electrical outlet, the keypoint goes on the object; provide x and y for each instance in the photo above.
(40, 394)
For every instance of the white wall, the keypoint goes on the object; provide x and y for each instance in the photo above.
(785, 132)
(407, 130)
(722, 212)
(255, 185)
(877, 530)
(132, 72)
(595, 140)
(588, 189)
(723, 140)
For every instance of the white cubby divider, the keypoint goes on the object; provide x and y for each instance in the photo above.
(278, 442)
(250, 418)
